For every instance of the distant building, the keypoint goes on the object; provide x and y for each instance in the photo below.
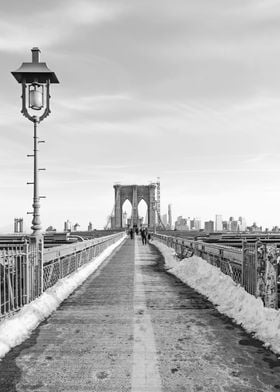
(169, 216)
(225, 226)
(191, 224)
(164, 219)
(209, 226)
(67, 226)
(181, 224)
(218, 223)
(18, 225)
(242, 223)
(233, 225)
(187, 223)
(196, 224)
(178, 221)
(124, 219)
(50, 228)
(254, 228)
(76, 226)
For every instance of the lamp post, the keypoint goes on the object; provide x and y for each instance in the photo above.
(35, 78)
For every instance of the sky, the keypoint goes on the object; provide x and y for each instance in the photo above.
(184, 90)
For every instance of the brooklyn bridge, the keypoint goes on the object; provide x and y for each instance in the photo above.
(187, 90)
(103, 312)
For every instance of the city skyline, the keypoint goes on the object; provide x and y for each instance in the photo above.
(68, 225)
(219, 223)
(142, 211)
(157, 89)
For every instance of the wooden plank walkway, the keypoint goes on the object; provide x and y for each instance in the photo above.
(133, 327)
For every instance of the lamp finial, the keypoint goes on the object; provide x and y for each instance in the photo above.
(35, 55)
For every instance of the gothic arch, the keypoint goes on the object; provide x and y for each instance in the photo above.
(126, 210)
(143, 210)
(134, 193)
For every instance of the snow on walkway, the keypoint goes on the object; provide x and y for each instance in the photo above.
(16, 329)
(229, 297)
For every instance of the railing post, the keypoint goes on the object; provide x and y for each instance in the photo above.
(271, 267)
(27, 284)
(243, 262)
(34, 267)
(259, 272)
(41, 265)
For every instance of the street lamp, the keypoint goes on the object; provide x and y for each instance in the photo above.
(35, 78)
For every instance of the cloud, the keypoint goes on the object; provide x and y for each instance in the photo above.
(88, 12)
(87, 103)
(50, 25)
(188, 90)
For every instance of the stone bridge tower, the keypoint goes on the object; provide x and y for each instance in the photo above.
(134, 193)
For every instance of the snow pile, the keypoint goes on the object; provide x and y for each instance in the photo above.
(16, 329)
(230, 298)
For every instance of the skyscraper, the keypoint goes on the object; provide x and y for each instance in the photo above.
(169, 216)
(218, 223)
(242, 223)
(67, 225)
(209, 226)
(18, 225)
(196, 224)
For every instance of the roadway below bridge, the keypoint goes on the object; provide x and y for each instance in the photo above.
(133, 327)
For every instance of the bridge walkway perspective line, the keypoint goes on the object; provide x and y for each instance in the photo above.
(133, 327)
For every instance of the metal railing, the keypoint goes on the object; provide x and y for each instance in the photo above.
(20, 275)
(13, 266)
(228, 259)
(63, 260)
(255, 266)
(26, 270)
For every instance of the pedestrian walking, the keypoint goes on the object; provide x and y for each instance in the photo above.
(131, 234)
(143, 236)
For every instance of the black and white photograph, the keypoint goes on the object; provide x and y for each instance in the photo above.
(140, 196)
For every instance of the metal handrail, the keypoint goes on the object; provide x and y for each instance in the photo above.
(66, 250)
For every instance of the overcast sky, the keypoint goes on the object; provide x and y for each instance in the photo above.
(184, 90)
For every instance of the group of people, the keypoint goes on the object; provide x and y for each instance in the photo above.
(145, 235)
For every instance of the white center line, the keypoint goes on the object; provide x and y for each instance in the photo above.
(145, 373)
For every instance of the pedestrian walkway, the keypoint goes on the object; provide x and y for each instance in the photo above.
(133, 327)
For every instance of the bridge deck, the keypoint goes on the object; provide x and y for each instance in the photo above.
(133, 327)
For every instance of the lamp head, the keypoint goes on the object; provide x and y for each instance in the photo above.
(35, 71)
(35, 78)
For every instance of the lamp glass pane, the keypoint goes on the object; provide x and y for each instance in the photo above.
(36, 99)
